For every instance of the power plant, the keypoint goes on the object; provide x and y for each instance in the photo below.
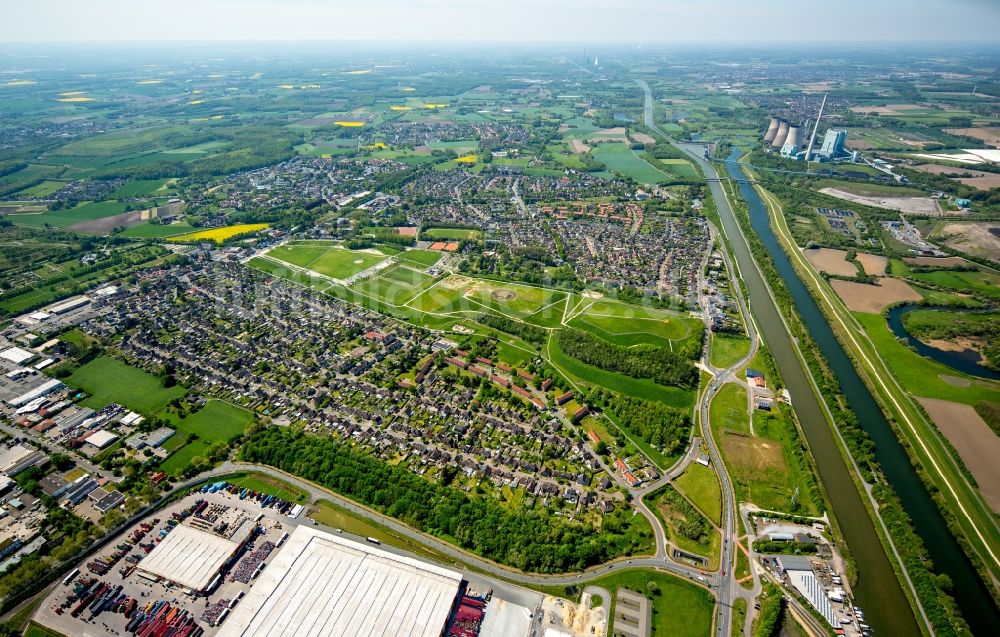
(772, 130)
(779, 139)
(788, 139)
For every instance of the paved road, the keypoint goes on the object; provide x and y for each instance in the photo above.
(477, 563)
(728, 589)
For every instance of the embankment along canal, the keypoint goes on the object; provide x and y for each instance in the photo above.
(877, 591)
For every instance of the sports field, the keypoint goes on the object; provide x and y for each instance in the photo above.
(109, 380)
(465, 296)
(452, 234)
(420, 259)
(327, 259)
(395, 286)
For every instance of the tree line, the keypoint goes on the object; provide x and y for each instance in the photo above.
(527, 540)
(664, 427)
(524, 331)
(642, 361)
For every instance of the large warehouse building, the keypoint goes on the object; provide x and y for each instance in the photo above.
(192, 554)
(321, 584)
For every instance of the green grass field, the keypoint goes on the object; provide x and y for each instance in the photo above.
(109, 380)
(41, 190)
(681, 609)
(156, 231)
(728, 409)
(620, 158)
(181, 459)
(139, 188)
(449, 234)
(422, 259)
(269, 485)
(923, 376)
(980, 281)
(726, 350)
(329, 260)
(395, 286)
(700, 484)
(630, 325)
(217, 420)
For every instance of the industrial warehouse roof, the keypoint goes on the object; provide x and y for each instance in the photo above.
(321, 584)
(189, 557)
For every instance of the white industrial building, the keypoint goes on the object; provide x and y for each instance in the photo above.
(321, 584)
(192, 557)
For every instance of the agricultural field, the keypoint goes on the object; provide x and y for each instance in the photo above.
(156, 231)
(63, 218)
(109, 380)
(621, 159)
(219, 235)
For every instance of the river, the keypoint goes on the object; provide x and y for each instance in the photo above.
(877, 590)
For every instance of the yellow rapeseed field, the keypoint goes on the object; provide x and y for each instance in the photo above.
(466, 159)
(75, 99)
(150, 81)
(359, 72)
(396, 107)
(196, 102)
(407, 89)
(349, 123)
(433, 105)
(219, 234)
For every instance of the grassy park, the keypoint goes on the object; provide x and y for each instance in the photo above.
(109, 380)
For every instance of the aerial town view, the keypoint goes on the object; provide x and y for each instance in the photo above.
(464, 319)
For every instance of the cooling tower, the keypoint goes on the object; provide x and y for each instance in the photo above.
(772, 130)
(794, 137)
(779, 139)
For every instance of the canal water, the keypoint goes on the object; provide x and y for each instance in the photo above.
(878, 591)
(964, 361)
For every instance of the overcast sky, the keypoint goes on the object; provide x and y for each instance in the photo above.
(611, 21)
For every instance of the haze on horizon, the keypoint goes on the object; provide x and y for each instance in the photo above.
(654, 22)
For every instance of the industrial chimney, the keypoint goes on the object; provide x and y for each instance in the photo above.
(772, 130)
(779, 139)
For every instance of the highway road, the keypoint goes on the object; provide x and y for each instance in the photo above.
(727, 589)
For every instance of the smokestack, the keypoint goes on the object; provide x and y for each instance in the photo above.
(794, 137)
(772, 130)
(779, 139)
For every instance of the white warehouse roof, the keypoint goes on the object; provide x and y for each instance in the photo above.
(189, 557)
(16, 355)
(320, 584)
(102, 438)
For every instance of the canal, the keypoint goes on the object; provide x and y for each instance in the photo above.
(877, 591)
